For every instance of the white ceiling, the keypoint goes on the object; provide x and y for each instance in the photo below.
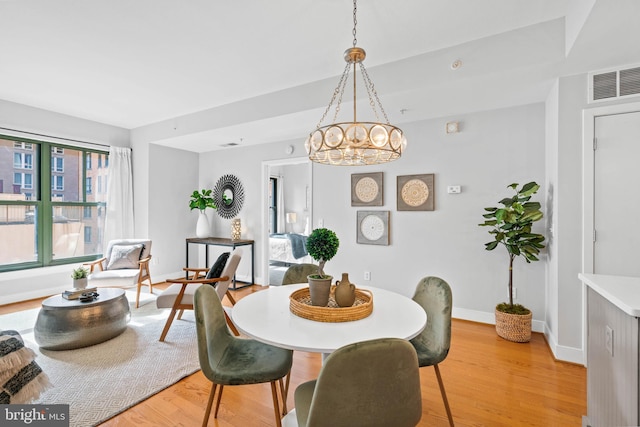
(198, 74)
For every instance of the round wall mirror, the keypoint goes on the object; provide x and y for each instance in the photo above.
(229, 196)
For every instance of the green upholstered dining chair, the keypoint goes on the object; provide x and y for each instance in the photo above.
(228, 360)
(433, 343)
(370, 383)
(298, 273)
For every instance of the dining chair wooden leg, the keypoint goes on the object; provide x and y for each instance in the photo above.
(215, 414)
(180, 314)
(207, 411)
(276, 407)
(444, 394)
(167, 325)
(285, 392)
(231, 325)
(284, 397)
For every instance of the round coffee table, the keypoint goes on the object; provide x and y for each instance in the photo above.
(68, 324)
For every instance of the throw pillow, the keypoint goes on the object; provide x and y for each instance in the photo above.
(217, 267)
(124, 256)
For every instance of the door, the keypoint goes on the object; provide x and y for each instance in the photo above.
(616, 248)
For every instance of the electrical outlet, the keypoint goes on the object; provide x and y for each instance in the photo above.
(515, 293)
(367, 275)
(154, 261)
(321, 223)
(608, 340)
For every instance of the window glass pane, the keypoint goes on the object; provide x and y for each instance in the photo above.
(70, 237)
(66, 173)
(97, 178)
(17, 234)
(15, 157)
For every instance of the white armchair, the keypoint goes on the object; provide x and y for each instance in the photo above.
(125, 264)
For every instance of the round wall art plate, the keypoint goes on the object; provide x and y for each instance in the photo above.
(373, 227)
(415, 192)
(366, 189)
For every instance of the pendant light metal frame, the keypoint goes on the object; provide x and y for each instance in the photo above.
(355, 143)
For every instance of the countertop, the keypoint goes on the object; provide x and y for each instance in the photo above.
(622, 291)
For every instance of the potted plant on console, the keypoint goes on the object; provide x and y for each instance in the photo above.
(511, 227)
(79, 276)
(202, 200)
(322, 245)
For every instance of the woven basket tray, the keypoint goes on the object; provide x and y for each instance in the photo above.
(300, 305)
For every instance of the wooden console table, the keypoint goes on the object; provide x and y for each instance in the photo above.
(220, 241)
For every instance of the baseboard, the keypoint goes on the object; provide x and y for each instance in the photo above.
(566, 354)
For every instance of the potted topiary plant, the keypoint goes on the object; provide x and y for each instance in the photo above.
(322, 245)
(79, 276)
(511, 227)
(202, 200)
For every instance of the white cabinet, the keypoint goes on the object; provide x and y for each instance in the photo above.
(613, 306)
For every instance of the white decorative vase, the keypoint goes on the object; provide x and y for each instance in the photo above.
(80, 283)
(203, 229)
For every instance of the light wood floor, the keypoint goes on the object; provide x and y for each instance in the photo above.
(489, 382)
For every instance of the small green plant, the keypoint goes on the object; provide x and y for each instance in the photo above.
(80, 273)
(322, 245)
(511, 227)
(202, 200)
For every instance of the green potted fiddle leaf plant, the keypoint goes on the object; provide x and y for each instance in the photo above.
(202, 200)
(510, 225)
(322, 245)
(79, 276)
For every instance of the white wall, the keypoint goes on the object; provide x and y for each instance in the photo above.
(493, 149)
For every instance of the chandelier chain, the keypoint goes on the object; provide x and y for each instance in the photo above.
(338, 90)
(355, 22)
(371, 89)
(343, 81)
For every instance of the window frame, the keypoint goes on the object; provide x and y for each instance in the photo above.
(41, 200)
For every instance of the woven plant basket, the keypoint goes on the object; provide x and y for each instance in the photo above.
(514, 327)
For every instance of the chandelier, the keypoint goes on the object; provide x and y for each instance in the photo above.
(355, 143)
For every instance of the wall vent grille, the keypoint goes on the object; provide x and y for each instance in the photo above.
(614, 84)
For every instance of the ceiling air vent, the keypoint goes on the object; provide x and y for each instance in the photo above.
(614, 84)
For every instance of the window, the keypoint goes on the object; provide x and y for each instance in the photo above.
(49, 205)
(57, 183)
(99, 161)
(88, 162)
(23, 161)
(23, 145)
(99, 184)
(57, 164)
(24, 180)
(273, 205)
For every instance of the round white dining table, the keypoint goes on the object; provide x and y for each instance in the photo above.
(266, 317)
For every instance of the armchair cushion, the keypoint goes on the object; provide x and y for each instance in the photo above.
(218, 266)
(125, 256)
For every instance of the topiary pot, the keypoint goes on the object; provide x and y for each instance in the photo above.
(319, 290)
(513, 327)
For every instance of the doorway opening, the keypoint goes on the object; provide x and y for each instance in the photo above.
(286, 216)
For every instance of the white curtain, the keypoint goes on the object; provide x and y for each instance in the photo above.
(119, 219)
(280, 204)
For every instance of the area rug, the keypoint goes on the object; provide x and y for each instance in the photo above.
(100, 381)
